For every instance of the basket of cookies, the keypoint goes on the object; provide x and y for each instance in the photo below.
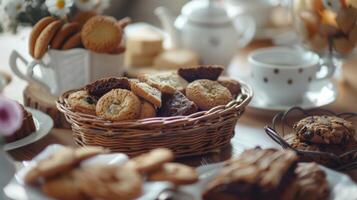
(317, 135)
(192, 111)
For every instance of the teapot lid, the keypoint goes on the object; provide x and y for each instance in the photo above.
(205, 11)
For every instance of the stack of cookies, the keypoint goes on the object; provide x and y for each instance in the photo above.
(267, 174)
(100, 34)
(164, 94)
(329, 134)
(62, 176)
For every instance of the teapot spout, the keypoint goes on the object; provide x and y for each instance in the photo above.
(168, 24)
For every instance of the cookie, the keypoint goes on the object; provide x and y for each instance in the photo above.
(63, 187)
(210, 72)
(168, 82)
(109, 182)
(232, 85)
(146, 92)
(208, 94)
(101, 34)
(37, 30)
(118, 105)
(82, 17)
(73, 42)
(176, 104)
(151, 161)
(175, 173)
(124, 22)
(147, 110)
(45, 38)
(65, 32)
(312, 182)
(324, 129)
(81, 101)
(102, 86)
(86, 152)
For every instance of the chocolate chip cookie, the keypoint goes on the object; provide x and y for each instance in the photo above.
(211, 72)
(81, 101)
(103, 86)
(118, 105)
(208, 94)
(176, 104)
(324, 129)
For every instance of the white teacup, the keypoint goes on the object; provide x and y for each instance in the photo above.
(61, 71)
(282, 75)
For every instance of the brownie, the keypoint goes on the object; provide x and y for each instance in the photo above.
(176, 104)
(211, 72)
(105, 85)
(255, 174)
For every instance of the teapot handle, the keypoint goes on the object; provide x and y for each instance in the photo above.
(248, 32)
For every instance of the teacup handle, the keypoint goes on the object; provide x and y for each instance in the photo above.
(329, 65)
(249, 31)
(29, 76)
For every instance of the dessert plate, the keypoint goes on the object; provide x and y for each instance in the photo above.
(43, 123)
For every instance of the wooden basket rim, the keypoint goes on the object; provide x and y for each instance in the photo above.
(240, 102)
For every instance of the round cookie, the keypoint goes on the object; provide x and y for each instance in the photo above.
(208, 94)
(324, 129)
(312, 182)
(175, 173)
(109, 182)
(210, 72)
(45, 38)
(147, 110)
(82, 17)
(104, 85)
(167, 83)
(232, 85)
(81, 101)
(146, 92)
(118, 105)
(176, 104)
(65, 32)
(151, 161)
(36, 31)
(101, 34)
(86, 152)
(73, 42)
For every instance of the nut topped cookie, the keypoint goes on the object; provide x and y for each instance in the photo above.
(168, 82)
(210, 72)
(100, 87)
(324, 129)
(83, 102)
(118, 105)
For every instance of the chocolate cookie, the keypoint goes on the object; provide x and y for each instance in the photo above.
(118, 105)
(102, 86)
(211, 72)
(81, 101)
(324, 129)
(176, 104)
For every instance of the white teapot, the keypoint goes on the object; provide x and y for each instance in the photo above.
(205, 27)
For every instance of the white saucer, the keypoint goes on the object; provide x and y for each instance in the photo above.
(43, 123)
(320, 93)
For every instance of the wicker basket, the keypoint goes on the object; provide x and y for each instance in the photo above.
(196, 134)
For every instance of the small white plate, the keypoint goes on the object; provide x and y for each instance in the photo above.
(321, 93)
(43, 123)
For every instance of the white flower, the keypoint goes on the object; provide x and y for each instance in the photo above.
(12, 8)
(59, 7)
(102, 5)
(86, 5)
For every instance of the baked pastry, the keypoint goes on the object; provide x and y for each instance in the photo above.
(208, 94)
(102, 86)
(65, 32)
(27, 127)
(101, 34)
(176, 104)
(175, 173)
(82, 17)
(168, 82)
(255, 174)
(151, 161)
(81, 101)
(210, 72)
(37, 30)
(118, 105)
(146, 92)
(232, 85)
(45, 37)
(73, 42)
(109, 182)
(324, 129)
(147, 110)
(312, 182)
